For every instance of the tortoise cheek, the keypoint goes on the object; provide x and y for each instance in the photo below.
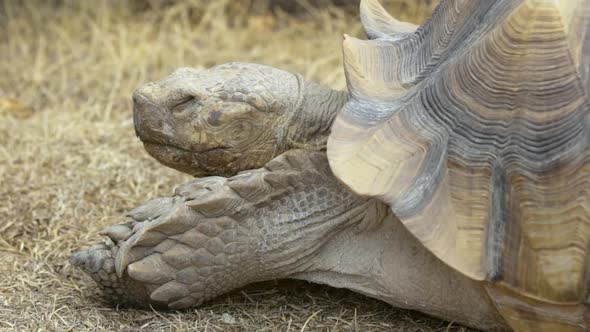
(214, 118)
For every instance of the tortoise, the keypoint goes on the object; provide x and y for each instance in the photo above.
(453, 177)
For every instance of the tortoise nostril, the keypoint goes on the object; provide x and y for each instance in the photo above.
(139, 97)
(145, 93)
(135, 97)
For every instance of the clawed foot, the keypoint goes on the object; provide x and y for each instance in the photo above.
(217, 234)
(169, 254)
(99, 263)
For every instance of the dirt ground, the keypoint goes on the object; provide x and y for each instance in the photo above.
(70, 163)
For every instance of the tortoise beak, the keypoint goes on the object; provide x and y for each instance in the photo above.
(149, 119)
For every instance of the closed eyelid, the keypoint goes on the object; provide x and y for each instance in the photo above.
(228, 115)
(183, 104)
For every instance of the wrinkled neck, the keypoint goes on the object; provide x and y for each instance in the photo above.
(312, 121)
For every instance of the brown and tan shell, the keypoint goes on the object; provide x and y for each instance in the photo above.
(475, 129)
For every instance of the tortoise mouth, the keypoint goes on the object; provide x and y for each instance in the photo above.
(197, 163)
(156, 143)
(171, 156)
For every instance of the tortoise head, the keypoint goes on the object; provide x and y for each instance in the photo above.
(217, 121)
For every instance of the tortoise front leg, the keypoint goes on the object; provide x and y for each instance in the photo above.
(217, 234)
(290, 219)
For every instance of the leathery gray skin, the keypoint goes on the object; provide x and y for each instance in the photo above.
(283, 215)
(232, 117)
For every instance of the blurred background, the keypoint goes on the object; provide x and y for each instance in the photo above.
(70, 163)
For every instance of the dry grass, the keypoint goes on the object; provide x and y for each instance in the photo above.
(70, 163)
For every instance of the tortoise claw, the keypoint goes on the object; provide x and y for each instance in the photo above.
(91, 260)
(117, 232)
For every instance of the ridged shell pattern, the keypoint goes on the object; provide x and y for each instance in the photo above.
(475, 129)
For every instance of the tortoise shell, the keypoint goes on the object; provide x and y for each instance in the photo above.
(475, 129)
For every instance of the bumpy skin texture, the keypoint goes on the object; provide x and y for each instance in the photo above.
(258, 225)
(231, 117)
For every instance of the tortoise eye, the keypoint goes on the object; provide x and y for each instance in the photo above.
(183, 104)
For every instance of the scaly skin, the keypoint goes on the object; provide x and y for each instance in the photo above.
(232, 117)
(257, 225)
